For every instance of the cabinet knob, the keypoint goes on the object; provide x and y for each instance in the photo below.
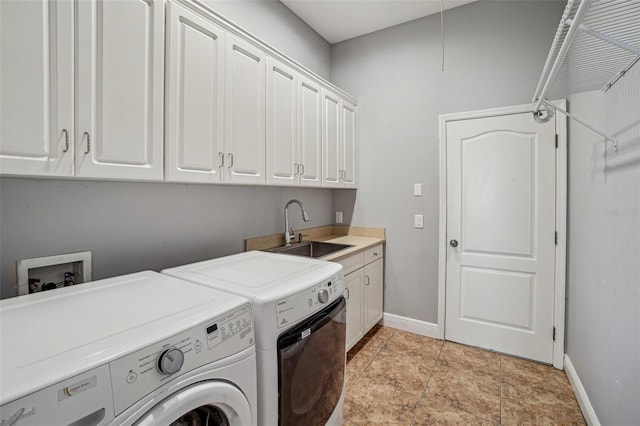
(453, 243)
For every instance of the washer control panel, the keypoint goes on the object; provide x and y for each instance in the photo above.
(295, 307)
(138, 374)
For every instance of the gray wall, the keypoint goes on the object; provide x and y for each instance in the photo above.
(603, 310)
(136, 226)
(131, 227)
(276, 25)
(494, 52)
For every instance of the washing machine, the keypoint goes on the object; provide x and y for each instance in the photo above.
(299, 313)
(143, 349)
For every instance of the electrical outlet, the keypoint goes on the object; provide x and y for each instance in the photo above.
(419, 221)
(338, 217)
(417, 190)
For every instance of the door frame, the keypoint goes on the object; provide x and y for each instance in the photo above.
(561, 217)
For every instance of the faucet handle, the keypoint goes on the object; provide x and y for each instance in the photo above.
(300, 237)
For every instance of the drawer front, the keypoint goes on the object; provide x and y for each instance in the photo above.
(373, 254)
(352, 263)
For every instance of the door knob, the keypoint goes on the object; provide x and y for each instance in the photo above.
(453, 243)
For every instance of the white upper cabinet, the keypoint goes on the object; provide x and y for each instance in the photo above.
(119, 81)
(283, 167)
(294, 132)
(310, 132)
(36, 87)
(244, 112)
(339, 140)
(194, 144)
(332, 161)
(94, 110)
(348, 145)
(83, 90)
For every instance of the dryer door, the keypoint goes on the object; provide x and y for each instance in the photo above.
(206, 403)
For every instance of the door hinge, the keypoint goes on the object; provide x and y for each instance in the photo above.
(556, 238)
(554, 334)
(556, 140)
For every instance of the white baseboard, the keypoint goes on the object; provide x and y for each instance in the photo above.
(423, 328)
(581, 395)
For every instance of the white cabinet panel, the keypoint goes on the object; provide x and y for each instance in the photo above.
(120, 63)
(310, 131)
(245, 112)
(339, 139)
(331, 140)
(373, 290)
(36, 87)
(348, 127)
(195, 98)
(294, 127)
(282, 139)
(354, 285)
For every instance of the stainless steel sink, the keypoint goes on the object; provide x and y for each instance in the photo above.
(310, 249)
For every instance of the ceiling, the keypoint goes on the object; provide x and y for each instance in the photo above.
(339, 20)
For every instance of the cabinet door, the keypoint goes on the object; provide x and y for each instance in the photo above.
(373, 288)
(244, 112)
(331, 140)
(282, 141)
(354, 285)
(36, 87)
(310, 132)
(119, 111)
(195, 98)
(348, 143)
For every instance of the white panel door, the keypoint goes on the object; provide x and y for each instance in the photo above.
(310, 132)
(244, 112)
(500, 231)
(194, 145)
(348, 128)
(120, 64)
(282, 138)
(36, 87)
(354, 285)
(331, 143)
(373, 282)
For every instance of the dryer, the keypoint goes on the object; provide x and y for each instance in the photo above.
(143, 348)
(299, 312)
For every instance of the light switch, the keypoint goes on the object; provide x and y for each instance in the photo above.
(338, 217)
(417, 190)
(419, 221)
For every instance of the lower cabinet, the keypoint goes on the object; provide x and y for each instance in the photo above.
(354, 293)
(364, 279)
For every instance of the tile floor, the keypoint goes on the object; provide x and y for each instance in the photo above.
(399, 378)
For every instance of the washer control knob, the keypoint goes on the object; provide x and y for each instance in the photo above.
(170, 361)
(323, 296)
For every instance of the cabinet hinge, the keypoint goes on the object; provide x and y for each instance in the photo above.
(556, 141)
(554, 334)
(556, 238)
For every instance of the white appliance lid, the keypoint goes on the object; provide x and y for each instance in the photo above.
(256, 273)
(50, 336)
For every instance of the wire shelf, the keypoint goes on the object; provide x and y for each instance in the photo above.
(596, 44)
(589, 62)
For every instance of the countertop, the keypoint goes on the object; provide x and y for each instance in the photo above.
(361, 238)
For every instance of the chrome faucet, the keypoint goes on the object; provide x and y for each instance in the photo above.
(288, 232)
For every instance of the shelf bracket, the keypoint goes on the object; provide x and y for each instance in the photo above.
(604, 37)
(621, 74)
(588, 126)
